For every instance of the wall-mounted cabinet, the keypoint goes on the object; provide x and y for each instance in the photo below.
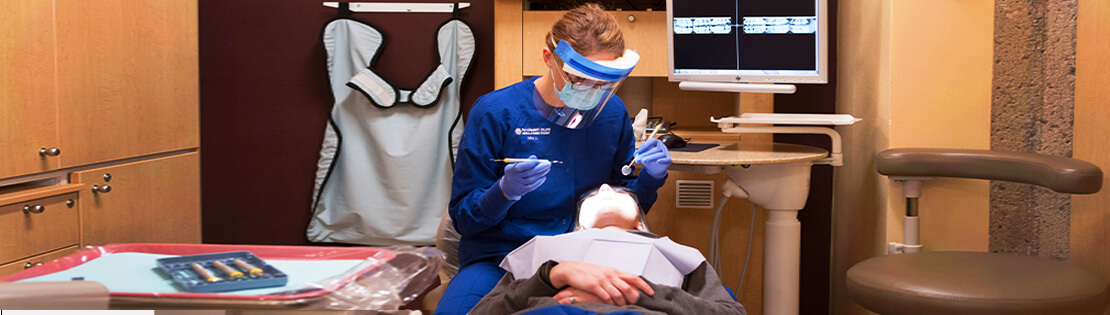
(519, 39)
(644, 31)
(94, 81)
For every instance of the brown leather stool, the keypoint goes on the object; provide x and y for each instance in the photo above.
(973, 282)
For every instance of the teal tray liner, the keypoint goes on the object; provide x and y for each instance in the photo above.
(139, 273)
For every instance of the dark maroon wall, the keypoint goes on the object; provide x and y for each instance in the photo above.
(264, 102)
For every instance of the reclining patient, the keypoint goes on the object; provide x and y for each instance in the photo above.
(555, 286)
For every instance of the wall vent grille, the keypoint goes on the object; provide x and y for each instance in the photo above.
(696, 194)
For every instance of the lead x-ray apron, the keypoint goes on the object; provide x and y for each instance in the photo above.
(384, 175)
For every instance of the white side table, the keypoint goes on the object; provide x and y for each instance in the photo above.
(774, 176)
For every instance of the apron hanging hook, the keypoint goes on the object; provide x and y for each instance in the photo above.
(344, 9)
(455, 11)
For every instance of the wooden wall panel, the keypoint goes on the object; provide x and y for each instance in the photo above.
(691, 227)
(507, 32)
(1090, 220)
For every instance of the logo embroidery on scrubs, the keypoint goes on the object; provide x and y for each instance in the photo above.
(532, 133)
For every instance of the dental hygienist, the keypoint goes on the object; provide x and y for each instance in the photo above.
(570, 115)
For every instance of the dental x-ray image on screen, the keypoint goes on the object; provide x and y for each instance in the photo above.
(747, 40)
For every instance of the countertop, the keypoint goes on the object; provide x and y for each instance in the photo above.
(734, 152)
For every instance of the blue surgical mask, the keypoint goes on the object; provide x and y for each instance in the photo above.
(585, 99)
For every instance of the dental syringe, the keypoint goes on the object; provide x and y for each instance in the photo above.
(517, 160)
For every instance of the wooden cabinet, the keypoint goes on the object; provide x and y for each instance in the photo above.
(113, 85)
(31, 262)
(127, 78)
(99, 80)
(153, 201)
(519, 39)
(644, 31)
(28, 107)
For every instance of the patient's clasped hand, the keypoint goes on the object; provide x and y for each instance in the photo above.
(609, 263)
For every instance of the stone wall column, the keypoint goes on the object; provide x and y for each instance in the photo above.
(1032, 111)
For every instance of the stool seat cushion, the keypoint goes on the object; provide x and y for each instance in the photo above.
(974, 283)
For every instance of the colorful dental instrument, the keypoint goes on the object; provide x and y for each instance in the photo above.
(251, 269)
(205, 274)
(627, 169)
(517, 160)
(231, 272)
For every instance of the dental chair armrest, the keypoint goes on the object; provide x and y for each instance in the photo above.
(1061, 174)
(68, 295)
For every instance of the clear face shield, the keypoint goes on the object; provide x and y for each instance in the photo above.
(584, 85)
(610, 207)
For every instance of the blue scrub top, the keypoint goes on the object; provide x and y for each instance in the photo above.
(506, 124)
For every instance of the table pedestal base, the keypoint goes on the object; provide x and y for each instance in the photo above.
(782, 189)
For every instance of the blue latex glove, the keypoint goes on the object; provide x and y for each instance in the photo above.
(654, 156)
(523, 177)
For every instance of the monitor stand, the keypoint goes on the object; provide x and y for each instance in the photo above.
(737, 88)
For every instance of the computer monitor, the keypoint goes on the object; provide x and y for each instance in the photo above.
(747, 41)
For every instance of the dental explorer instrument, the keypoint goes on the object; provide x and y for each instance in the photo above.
(627, 169)
(517, 160)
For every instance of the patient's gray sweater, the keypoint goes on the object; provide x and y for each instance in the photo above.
(701, 293)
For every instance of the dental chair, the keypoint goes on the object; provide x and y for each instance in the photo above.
(917, 282)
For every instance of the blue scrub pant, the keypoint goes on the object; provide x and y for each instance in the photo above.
(468, 287)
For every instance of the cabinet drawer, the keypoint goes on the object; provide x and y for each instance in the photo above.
(46, 224)
(19, 265)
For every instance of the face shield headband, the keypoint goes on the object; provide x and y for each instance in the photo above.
(607, 70)
(587, 85)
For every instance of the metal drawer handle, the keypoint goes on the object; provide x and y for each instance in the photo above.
(33, 209)
(32, 264)
(104, 189)
(53, 151)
